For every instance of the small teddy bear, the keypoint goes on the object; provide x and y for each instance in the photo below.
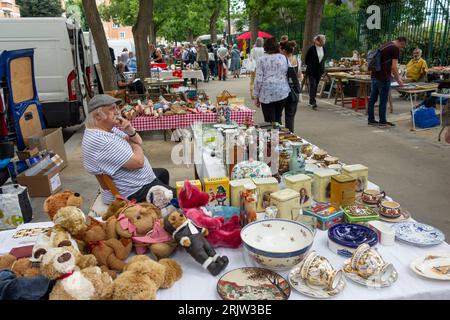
(114, 207)
(142, 277)
(162, 198)
(192, 238)
(73, 284)
(62, 199)
(21, 267)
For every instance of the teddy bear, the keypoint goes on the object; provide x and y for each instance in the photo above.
(109, 252)
(162, 198)
(62, 199)
(221, 234)
(142, 277)
(118, 203)
(141, 223)
(21, 267)
(73, 283)
(192, 239)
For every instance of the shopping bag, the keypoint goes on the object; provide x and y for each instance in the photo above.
(224, 96)
(15, 206)
(426, 117)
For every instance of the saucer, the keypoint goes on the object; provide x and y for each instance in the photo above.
(405, 215)
(309, 290)
(371, 282)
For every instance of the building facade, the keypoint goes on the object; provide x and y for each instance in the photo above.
(112, 30)
(9, 9)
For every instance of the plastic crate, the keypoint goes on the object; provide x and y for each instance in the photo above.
(358, 103)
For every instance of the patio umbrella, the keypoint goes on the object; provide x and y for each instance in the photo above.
(248, 35)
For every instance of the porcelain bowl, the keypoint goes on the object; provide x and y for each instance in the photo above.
(277, 244)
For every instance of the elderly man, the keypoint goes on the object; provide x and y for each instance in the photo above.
(112, 146)
(416, 69)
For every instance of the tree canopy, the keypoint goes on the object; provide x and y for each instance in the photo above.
(40, 8)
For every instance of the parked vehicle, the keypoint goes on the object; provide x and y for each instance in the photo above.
(63, 65)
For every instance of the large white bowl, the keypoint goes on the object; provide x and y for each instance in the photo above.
(277, 244)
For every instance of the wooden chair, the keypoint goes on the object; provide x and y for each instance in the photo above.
(106, 183)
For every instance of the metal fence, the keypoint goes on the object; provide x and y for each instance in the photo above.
(425, 24)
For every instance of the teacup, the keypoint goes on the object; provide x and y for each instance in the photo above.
(320, 155)
(368, 263)
(318, 271)
(390, 209)
(331, 160)
(372, 196)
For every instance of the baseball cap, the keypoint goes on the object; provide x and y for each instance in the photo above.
(101, 100)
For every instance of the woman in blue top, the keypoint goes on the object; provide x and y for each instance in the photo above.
(235, 65)
(132, 64)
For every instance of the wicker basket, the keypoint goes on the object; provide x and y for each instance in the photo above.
(224, 96)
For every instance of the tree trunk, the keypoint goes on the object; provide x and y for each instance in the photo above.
(140, 33)
(314, 12)
(152, 33)
(213, 24)
(254, 27)
(190, 36)
(101, 44)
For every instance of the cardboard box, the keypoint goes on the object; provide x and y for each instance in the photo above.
(45, 182)
(27, 153)
(218, 190)
(49, 139)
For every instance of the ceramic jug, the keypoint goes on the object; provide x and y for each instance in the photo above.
(297, 162)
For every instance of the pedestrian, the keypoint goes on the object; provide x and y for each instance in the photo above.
(256, 52)
(381, 80)
(132, 63)
(222, 55)
(271, 83)
(315, 67)
(294, 77)
(235, 65)
(211, 62)
(124, 56)
(203, 59)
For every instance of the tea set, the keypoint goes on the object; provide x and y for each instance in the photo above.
(389, 210)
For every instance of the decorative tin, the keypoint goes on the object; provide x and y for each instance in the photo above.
(264, 187)
(218, 190)
(326, 214)
(342, 190)
(360, 173)
(321, 186)
(195, 183)
(236, 186)
(302, 184)
(251, 169)
(359, 213)
(286, 200)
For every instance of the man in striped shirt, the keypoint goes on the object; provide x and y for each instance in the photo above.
(112, 146)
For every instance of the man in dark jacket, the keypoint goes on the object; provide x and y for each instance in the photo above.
(315, 67)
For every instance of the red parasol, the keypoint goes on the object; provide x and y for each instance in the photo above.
(248, 35)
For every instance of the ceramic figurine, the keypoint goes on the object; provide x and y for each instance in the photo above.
(248, 205)
(192, 238)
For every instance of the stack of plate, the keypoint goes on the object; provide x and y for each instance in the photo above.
(418, 234)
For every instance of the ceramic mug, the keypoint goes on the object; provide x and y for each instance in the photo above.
(373, 196)
(390, 209)
(320, 155)
(331, 160)
(368, 263)
(318, 271)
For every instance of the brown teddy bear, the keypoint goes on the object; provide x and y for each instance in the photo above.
(109, 252)
(142, 277)
(114, 207)
(62, 199)
(73, 284)
(141, 223)
(21, 267)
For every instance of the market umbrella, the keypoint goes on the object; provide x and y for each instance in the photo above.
(248, 35)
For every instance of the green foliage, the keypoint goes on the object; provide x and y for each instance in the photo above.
(40, 8)
(75, 11)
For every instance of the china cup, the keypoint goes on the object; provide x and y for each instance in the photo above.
(390, 209)
(318, 271)
(368, 263)
(372, 196)
(320, 155)
(331, 160)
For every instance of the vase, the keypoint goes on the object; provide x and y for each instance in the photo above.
(297, 162)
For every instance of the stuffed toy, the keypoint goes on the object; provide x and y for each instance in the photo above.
(72, 219)
(62, 199)
(72, 283)
(142, 277)
(114, 207)
(40, 248)
(162, 198)
(141, 223)
(110, 253)
(220, 233)
(21, 267)
(192, 239)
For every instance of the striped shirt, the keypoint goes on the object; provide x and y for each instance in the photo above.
(106, 153)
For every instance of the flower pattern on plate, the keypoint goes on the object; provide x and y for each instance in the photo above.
(418, 234)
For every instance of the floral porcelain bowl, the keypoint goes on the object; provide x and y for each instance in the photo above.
(251, 169)
(277, 244)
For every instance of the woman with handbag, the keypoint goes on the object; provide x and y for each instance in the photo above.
(256, 52)
(271, 84)
(294, 75)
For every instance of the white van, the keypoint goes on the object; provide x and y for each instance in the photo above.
(61, 63)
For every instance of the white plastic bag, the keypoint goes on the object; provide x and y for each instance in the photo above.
(15, 206)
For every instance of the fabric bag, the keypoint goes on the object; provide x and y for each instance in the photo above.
(294, 84)
(15, 206)
(426, 117)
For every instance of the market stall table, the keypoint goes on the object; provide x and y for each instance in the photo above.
(444, 109)
(162, 83)
(185, 74)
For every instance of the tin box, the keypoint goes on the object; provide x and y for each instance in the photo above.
(286, 200)
(342, 190)
(236, 186)
(321, 186)
(218, 190)
(195, 183)
(360, 173)
(302, 184)
(326, 214)
(264, 187)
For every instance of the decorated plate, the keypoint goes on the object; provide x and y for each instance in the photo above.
(352, 235)
(251, 283)
(370, 282)
(418, 234)
(309, 290)
(433, 266)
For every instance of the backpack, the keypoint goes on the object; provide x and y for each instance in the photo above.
(374, 59)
